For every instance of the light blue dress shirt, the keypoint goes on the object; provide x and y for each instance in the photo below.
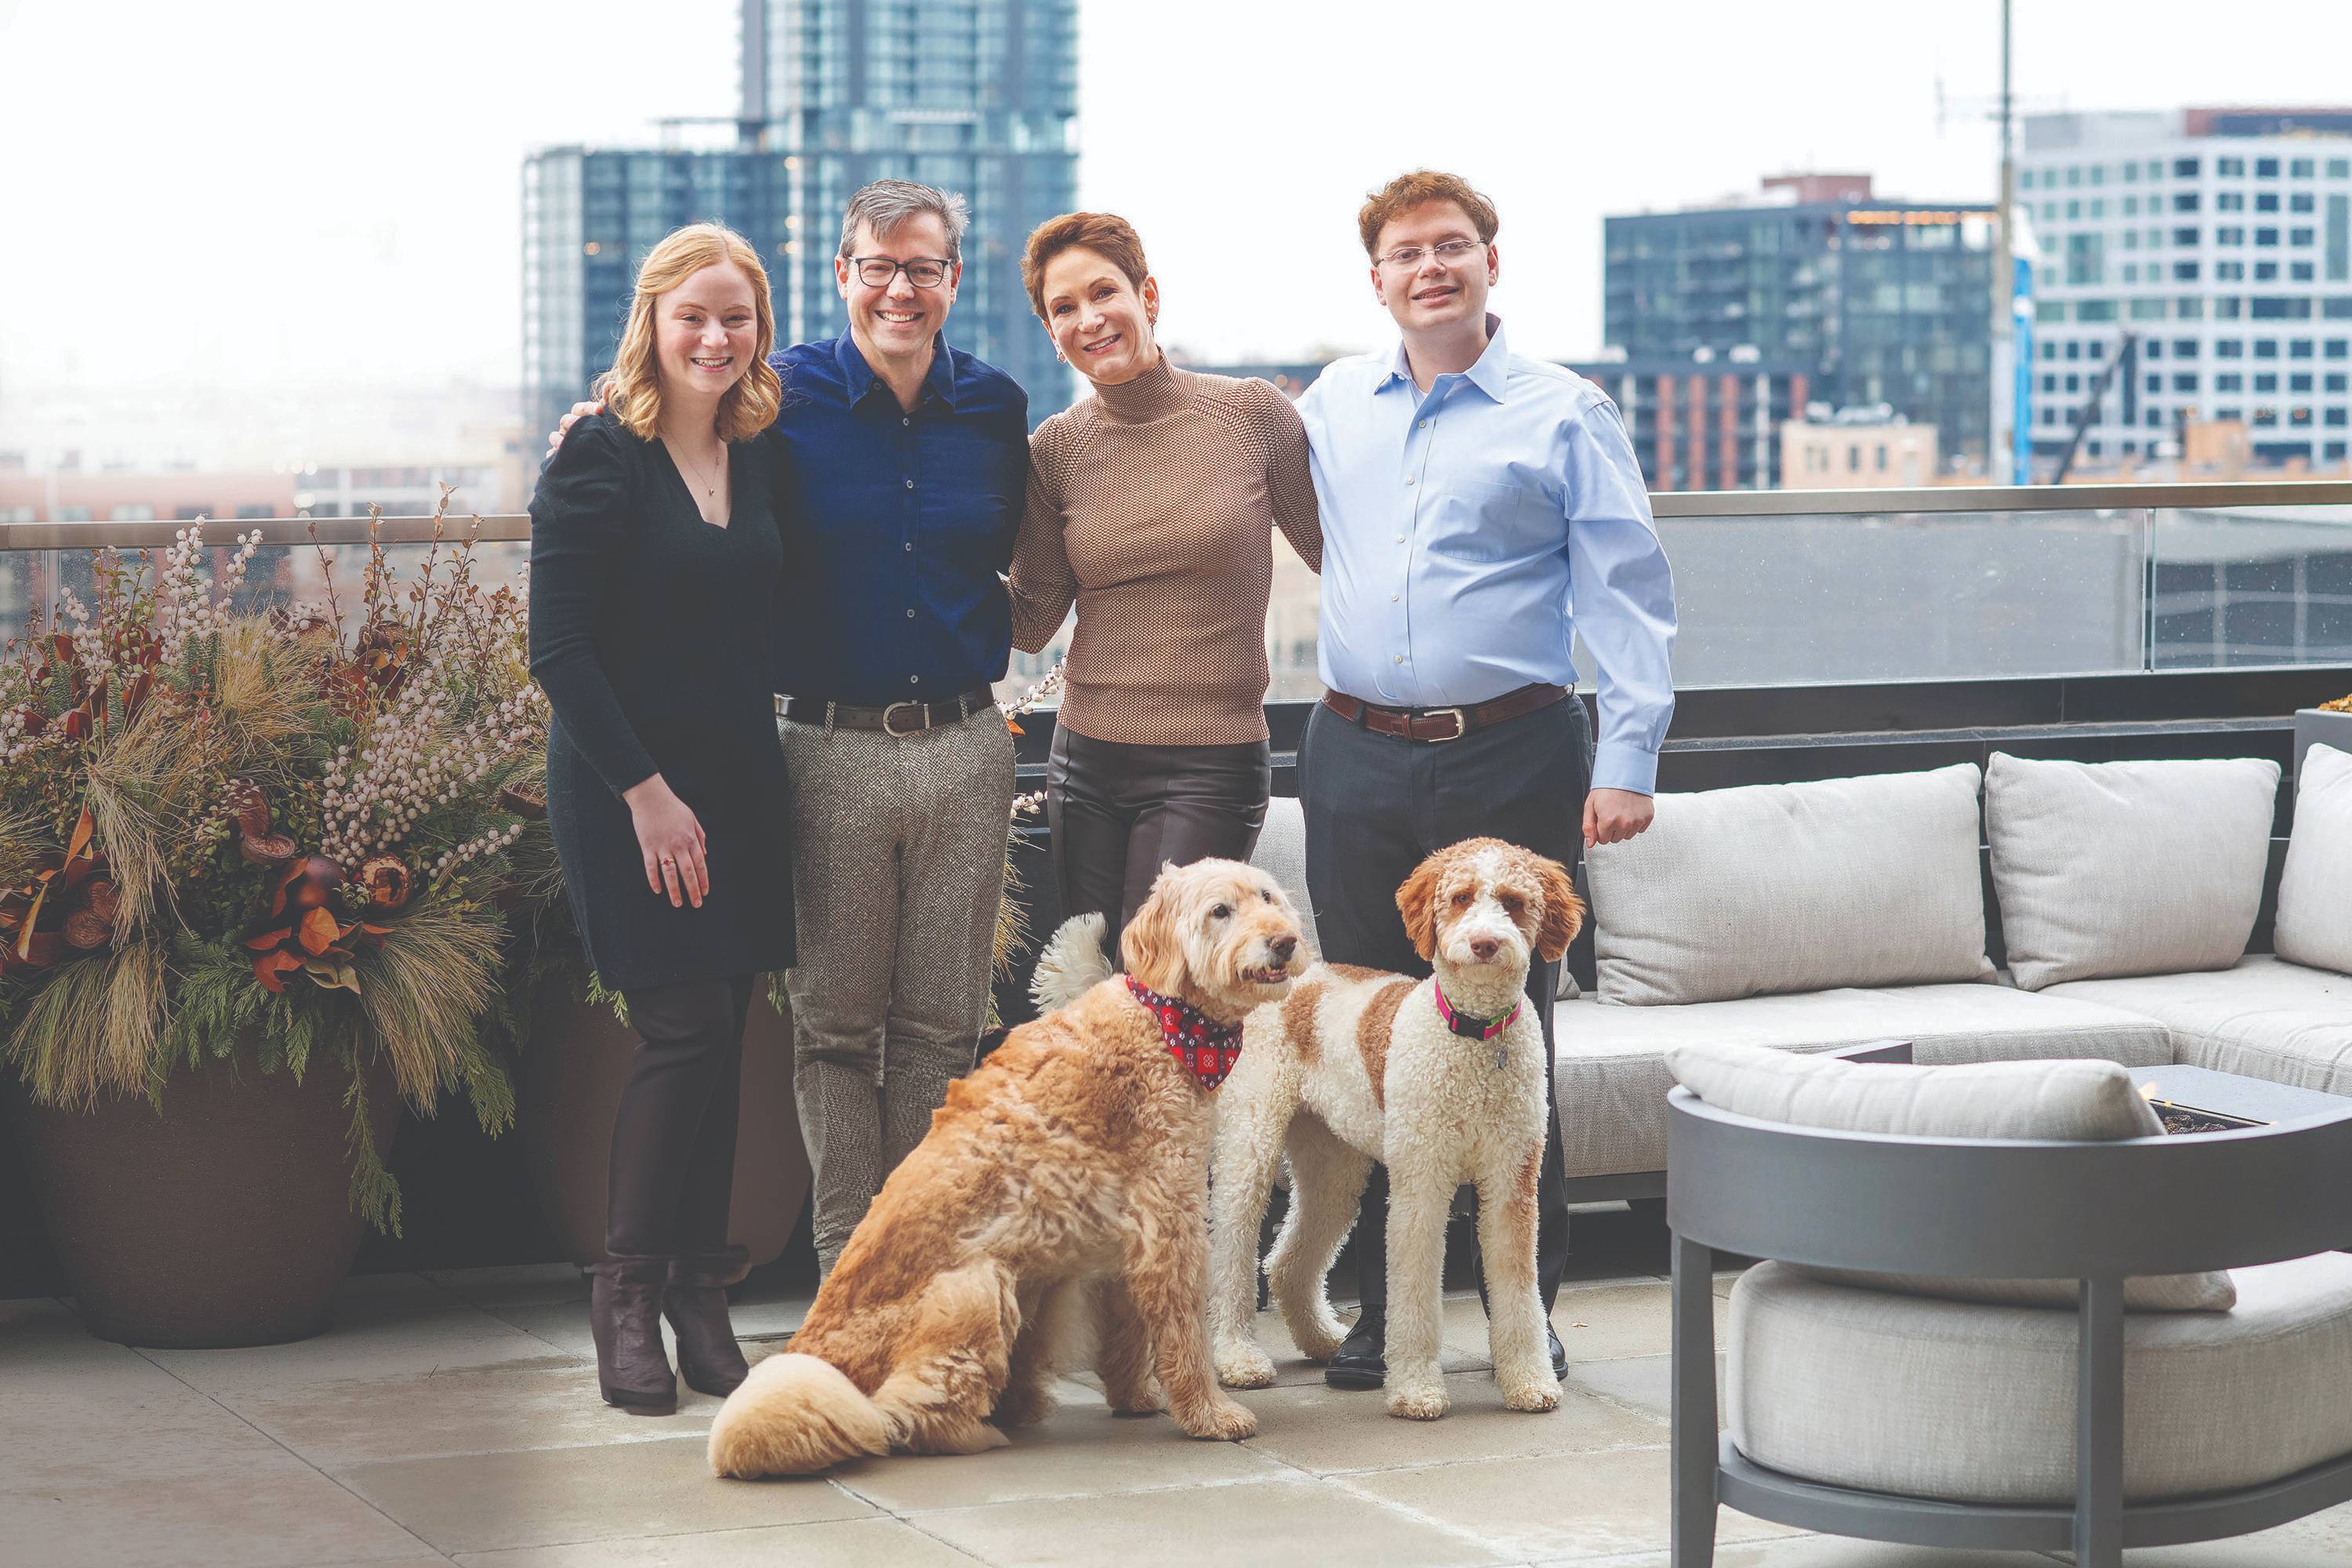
(1471, 533)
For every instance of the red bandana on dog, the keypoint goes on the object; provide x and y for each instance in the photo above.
(1207, 1050)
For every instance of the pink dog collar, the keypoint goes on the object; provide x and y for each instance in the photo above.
(1468, 1027)
(1207, 1050)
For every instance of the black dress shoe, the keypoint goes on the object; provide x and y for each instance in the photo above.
(1361, 1362)
(1559, 1351)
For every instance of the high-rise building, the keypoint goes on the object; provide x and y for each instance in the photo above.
(2218, 242)
(979, 96)
(1704, 420)
(1871, 302)
(589, 218)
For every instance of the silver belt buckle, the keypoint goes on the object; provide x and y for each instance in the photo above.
(892, 708)
(1461, 725)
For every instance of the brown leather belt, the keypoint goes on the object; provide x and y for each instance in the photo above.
(1431, 725)
(899, 720)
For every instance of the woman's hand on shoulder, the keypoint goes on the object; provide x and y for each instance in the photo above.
(669, 836)
(579, 411)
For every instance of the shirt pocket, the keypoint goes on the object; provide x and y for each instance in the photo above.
(1489, 523)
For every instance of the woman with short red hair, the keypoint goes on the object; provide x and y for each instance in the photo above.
(1152, 507)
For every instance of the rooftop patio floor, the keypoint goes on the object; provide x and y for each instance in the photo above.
(453, 1418)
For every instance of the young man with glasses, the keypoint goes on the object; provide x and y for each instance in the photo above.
(1480, 512)
(900, 492)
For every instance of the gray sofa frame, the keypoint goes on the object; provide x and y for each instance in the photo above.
(2098, 1212)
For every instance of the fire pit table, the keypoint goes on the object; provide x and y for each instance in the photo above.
(2198, 1099)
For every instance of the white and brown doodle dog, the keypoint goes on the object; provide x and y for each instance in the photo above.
(1064, 1179)
(1441, 1079)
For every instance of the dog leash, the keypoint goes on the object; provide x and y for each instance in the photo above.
(1471, 1029)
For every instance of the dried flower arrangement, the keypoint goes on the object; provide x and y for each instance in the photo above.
(292, 833)
(2341, 705)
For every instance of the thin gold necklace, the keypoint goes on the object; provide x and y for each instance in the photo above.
(711, 486)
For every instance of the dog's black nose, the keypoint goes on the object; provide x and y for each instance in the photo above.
(1284, 946)
(1484, 948)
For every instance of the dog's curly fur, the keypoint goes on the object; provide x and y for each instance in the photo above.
(1357, 1065)
(1065, 1179)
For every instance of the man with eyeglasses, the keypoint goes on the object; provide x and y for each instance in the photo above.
(1481, 513)
(903, 463)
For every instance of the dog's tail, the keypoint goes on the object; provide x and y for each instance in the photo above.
(1072, 964)
(794, 1415)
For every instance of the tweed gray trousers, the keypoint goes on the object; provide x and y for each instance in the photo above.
(899, 863)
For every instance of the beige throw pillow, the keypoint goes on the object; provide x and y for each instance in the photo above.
(1804, 886)
(2115, 868)
(2315, 899)
(2076, 1102)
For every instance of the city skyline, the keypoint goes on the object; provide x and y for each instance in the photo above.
(224, 246)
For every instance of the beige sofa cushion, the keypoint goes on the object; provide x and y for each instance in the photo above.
(1766, 889)
(2262, 1018)
(1281, 853)
(1610, 1068)
(2315, 897)
(2076, 1102)
(1973, 1404)
(2107, 868)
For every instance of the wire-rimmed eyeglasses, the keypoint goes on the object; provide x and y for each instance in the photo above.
(1448, 251)
(880, 271)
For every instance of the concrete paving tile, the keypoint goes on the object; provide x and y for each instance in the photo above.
(468, 1411)
(419, 1344)
(1281, 1524)
(1081, 1449)
(255, 1511)
(1549, 1505)
(485, 1503)
(80, 1410)
(372, 1297)
(1327, 1431)
(1646, 1383)
(514, 1285)
(847, 1543)
(1595, 1322)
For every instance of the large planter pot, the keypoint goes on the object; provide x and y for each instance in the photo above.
(224, 1221)
(2323, 727)
(571, 1076)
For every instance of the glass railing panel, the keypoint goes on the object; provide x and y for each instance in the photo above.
(2251, 585)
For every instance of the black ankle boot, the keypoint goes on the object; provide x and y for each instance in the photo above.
(696, 1304)
(1361, 1359)
(624, 1306)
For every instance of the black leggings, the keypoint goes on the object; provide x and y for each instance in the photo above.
(673, 1169)
(1119, 812)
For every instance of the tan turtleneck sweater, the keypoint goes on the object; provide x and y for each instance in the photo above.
(1151, 505)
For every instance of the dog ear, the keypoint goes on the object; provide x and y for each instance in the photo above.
(1149, 947)
(1563, 911)
(1416, 902)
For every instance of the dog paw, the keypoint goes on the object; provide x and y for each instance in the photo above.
(1244, 1365)
(1221, 1421)
(1147, 1399)
(1415, 1400)
(1532, 1395)
(1023, 1408)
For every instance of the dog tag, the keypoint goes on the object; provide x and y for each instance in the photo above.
(1500, 1053)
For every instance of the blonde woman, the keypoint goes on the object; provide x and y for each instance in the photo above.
(657, 559)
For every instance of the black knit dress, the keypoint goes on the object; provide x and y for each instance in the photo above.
(651, 632)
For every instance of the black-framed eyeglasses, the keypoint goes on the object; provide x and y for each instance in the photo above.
(880, 271)
(1448, 251)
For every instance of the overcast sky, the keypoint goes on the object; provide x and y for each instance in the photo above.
(258, 191)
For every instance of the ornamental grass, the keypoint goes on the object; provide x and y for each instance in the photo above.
(280, 834)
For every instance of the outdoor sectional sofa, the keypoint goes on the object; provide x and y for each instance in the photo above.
(1819, 915)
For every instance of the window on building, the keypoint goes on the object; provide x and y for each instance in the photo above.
(2229, 380)
(2228, 309)
(2189, 308)
(2156, 239)
(73, 514)
(2299, 381)
(2152, 349)
(2340, 168)
(2229, 165)
(2229, 348)
(2184, 272)
(2229, 201)
(2227, 414)
(2184, 201)
(2049, 212)
(2184, 168)
(2185, 237)
(2301, 272)
(2266, 200)
(2266, 236)
(2095, 311)
(2228, 271)
(2336, 348)
(2266, 381)
(2155, 420)
(2299, 235)
(2336, 415)
(2300, 348)
(2073, 176)
(2185, 381)
(2099, 174)
(2131, 272)
(2074, 348)
(2265, 271)
(2073, 383)
(2266, 168)
(245, 512)
(2266, 348)
(2184, 348)
(2131, 207)
(2050, 381)
(2131, 240)
(133, 511)
(2280, 308)
(2074, 211)
(2334, 380)
(2095, 349)
(2335, 451)
(2098, 207)
(2266, 417)
(2303, 201)
(2155, 384)
(2230, 234)
(2299, 416)
(190, 513)
(2339, 309)
(2300, 169)
(2148, 310)
(2048, 348)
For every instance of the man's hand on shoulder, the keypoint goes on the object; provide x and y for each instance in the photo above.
(1613, 816)
(579, 411)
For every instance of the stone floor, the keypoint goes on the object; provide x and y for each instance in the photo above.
(453, 1418)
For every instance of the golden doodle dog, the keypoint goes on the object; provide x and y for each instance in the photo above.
(1066, 1177)
(1442, 1080)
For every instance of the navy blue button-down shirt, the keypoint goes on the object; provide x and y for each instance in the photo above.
(906, 518)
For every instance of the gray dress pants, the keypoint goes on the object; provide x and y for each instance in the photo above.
(899, 866)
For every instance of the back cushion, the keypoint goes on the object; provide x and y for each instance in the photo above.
(2076, 1102)
(1281, 853)
(2314, 900)
(1802, 886)
(2113, 869)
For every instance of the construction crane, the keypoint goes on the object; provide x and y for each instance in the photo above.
(2125, 363)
